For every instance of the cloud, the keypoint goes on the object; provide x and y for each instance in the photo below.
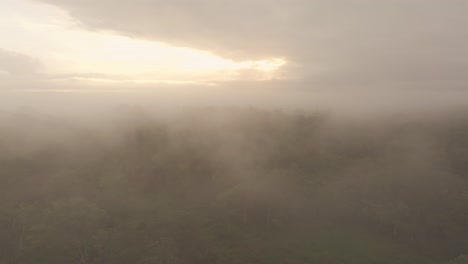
(352, 41)
(19, 71)
(18, 65)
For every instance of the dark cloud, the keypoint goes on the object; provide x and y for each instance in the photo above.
(352, 41)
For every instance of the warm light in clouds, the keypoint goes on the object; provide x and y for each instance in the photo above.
(67, 49)
(265, 65)
(113, 54)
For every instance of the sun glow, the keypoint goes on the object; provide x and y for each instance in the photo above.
(70, 51)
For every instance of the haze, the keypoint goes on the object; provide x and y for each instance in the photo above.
(222, 131)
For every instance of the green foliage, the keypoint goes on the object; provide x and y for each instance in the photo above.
(239, 186)
(462, 259)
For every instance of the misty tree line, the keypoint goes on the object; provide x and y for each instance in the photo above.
(235, 186)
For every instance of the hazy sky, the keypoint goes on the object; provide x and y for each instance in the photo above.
(385, 44)
(43, 41)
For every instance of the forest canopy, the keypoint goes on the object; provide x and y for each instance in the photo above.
(234, 185)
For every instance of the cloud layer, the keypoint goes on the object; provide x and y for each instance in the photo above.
(352, 41)
(16, 64)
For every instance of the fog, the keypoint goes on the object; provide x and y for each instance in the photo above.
(231, 175)
(286, 96)
(353, 149)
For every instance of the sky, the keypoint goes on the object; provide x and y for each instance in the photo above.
(308, 45)
(44, 40)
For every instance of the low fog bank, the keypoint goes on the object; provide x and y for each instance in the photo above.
(88, 102)
(126, 184)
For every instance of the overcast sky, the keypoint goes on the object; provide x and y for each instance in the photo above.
(292, 44)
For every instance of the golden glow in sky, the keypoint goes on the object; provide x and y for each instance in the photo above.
(66, 49)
